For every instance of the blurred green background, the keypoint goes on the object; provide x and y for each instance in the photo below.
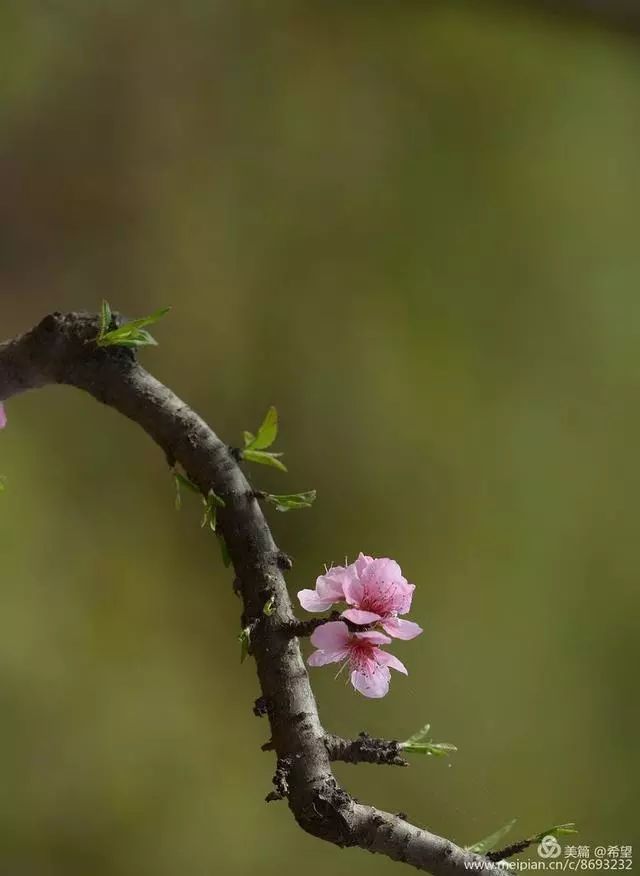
(414, 228)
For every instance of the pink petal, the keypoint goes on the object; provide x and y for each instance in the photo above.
(374, 684)
(383, 582)
(361, 563)
(354, 590)
(356, 616)
(382, 570)
(321, 658)
(311, 601)
(391, 660)
(373, 637)
(331, 585)
(333, 636)
(403, 598)
(401, 629)
(3, 416)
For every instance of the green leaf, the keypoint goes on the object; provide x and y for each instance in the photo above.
(263, 458)
(217, 500)
(249, 438)
(180, 481)
(131, 334)
(269, 606)
(105, 318)
(420, 736)
(245, 640)
(431, 749)
(224, 551)
(268, 431)
(292, 501)
(556, 830)
(211, 504)
(489, 842)
(154, 317)
(184, 481)
(419, 743)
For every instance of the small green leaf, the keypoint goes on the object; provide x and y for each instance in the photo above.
(263, 458)
(131, 334)
(557, 830)
(245, 640)
(489, 842)
(105, 318)
(184, 481)
(419, 743)
(268, 431)
(156, 316)
(420, 736)
(180, 481)
(249, 438)
(292, 501)
(224, 551)
(211, 504)
(216, 499)
(269, 606)
(431, 749)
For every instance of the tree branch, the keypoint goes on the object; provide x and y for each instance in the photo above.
(61, 349)
(365, 749)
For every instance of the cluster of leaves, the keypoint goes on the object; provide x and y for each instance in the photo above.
(255, 450)
(131, 334)
(292, 501)
(255, 446)
(420, 743)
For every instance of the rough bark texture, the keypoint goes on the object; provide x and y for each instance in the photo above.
(61, 349)
(365, 749)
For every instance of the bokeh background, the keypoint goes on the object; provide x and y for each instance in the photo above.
(414, 228)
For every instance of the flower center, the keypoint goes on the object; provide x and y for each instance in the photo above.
(362, 656)
(381, 601)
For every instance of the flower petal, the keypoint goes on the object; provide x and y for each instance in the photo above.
(353, 590)
(3, 416)
(333, 636)
(401, 629)
(403, 596)
(382, 571)
(373, 637)
(361, 563)
(331, 585)
(356, 616)
(311, 601)
(372, 684)
(391, 660)
(321, 658)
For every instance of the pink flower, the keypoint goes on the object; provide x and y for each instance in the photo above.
(3, 416)
(368, 663)
(329, 589)
(375, 591)
(379, 593)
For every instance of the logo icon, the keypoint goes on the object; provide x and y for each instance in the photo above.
(549, 847)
